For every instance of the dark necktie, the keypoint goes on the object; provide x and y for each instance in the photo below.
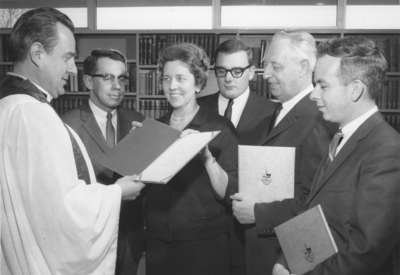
(228, 110)
(275, 115)
(337, 138)
(110, 131)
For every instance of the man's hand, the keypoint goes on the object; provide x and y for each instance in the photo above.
(135, 124)
(279, 269)
(130, 186)
(243, 208)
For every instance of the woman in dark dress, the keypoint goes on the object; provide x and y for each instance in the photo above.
(187, 219)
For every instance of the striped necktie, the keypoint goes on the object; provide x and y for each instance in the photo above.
(337, 138)
(110, 131)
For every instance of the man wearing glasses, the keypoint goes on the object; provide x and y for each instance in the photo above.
(246, 110)
(101, 123)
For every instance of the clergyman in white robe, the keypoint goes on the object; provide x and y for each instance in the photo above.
(51, 222)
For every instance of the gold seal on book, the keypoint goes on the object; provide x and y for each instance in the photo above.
(308, 253)
(266, 178)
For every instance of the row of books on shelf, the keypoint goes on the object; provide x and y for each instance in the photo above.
(153, 108)
(259, 85)
(390, 45)
(389, 98)
(65, 103)
(393, 119)
(75, 81)
(150, 45)
(259, 52)
(149, 83)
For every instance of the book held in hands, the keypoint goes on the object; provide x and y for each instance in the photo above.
(306, 240)
(156, 151)
(266, 172)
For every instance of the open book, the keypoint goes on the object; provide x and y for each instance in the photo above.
(267, 172)
(156, 151)
(306, 240)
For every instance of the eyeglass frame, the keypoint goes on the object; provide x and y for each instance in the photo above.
(242, 70)
(111, 77)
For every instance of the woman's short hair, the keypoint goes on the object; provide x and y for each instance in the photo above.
(190, 54)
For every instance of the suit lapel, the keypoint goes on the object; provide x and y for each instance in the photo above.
(300, 109)
(250, 112)
(92, 128)
(284, 124)
(347, 150)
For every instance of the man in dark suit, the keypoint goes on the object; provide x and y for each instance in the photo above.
(358, 183)
(289, 63)
(100, 123)
(248, 111)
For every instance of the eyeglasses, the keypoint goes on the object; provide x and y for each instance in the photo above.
(122, 79)
(235, 72)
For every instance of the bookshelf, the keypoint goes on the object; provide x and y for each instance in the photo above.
(142, 47)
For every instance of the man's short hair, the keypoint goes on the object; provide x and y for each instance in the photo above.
(90, 62)
(302, 43)
(36, 25)
(360, 58)
(234, 45)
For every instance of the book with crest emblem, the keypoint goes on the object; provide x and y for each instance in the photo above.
(306, 240)
(266, 172)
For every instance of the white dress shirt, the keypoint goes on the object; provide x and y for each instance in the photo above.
(101, 118)
(289, 105)
(349, 129)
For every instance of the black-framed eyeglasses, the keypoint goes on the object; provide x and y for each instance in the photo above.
(123, 79)
(236, 72)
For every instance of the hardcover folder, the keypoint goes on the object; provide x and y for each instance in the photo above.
(266, 172)
(155, 151)
(306, 240)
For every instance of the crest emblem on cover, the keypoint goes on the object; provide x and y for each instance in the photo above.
(308, 253)
(266, 177)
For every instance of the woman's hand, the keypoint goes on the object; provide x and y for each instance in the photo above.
(188, 132)
(135, 124)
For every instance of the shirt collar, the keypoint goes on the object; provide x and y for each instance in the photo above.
(353, 125)
(294, 100)
(48, 96)
(242, 99)
(98, 112)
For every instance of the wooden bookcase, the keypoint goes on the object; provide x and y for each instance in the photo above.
(142, 48)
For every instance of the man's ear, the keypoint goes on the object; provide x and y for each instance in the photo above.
(252, 72)
(358, 88)
(36, 53)
(88, 81)
(304, 67)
